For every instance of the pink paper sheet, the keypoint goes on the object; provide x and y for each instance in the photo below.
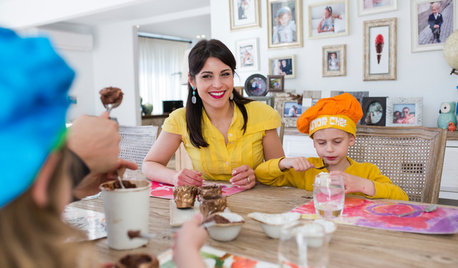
(383, 214)
(163, 190)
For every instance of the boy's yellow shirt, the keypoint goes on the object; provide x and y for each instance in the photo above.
(217, 161)
(269, 173)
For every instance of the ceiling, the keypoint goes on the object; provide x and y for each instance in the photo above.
(186, 28)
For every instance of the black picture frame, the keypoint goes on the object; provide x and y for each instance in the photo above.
(256, 85)
(276, 83)
(372, 115)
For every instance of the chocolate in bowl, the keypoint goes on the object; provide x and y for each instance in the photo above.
(111, 95)
(210, 191)
(185, 195)
(138, 261)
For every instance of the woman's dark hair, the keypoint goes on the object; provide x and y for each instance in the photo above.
(199, 54)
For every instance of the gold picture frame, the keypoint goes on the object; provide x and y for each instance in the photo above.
(248, 14)
(379, 44)
(284, 21)
(334, 61)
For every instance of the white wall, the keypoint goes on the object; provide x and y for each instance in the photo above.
(423, 74)
(115, 64)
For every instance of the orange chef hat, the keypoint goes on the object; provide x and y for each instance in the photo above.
(342, 112)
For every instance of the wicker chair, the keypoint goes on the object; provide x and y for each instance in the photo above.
(412, 157)
(135, 144)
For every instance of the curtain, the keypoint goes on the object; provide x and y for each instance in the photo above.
(160, 65)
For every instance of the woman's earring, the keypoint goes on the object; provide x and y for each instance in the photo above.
(193, 98)
(232, 96)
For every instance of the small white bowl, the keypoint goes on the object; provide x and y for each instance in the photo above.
(226, 231)
(329, 227)
(272, 223)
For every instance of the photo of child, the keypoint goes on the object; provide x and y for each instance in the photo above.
(275, 84)
(246, 56)
(292, 109)
(328, 18)
(435, 21)
(333, 61)
(283, 22)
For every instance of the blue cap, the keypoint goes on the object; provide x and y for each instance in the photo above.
(34, 84)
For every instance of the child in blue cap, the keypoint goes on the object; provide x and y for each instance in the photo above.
(36, 181)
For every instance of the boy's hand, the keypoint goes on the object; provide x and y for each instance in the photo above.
(188, 241)
(298, 163)
(355, 184)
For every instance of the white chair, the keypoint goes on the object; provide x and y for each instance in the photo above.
(135, 144)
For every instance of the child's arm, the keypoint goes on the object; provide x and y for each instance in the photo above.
(188, 241)
(355, 184)
(319, 26)
(298, 163)
(280, 172)
(382, 185)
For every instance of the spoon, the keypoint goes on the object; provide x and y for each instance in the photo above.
(138, 234)
(323, 167)
(120, 178)
(429, 208)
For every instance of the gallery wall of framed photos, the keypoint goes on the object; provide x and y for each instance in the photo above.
(411, 57)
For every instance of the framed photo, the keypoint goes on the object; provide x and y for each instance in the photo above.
(256, 85)
(276, 83)
(374, 111)
(404, 111)
(334, 61)
(310, 98)
(369, 7)
(432, 22)
(359, 95)
(380, 49)
(247, 54)
(283, 66)
(289, 106)
(284, 23)
(245, 14)
(328, 19)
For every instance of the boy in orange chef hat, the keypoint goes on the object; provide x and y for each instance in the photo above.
(331, 123)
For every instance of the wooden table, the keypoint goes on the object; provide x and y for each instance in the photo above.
(350, 246)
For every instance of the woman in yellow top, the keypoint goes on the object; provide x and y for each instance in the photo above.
(226, 136)
(331, 123)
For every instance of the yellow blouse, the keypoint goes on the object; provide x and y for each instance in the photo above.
(218, 159)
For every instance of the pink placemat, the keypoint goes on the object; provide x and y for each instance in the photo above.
(163, 190)
(383, 214)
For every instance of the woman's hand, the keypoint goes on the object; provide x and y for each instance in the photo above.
(298, 163)
(355, 184)
(188, 177)
(243, 177)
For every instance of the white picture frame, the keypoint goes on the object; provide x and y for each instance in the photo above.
(247, 54)
(396, 115)
(339, 10)
(422, 37)
(244, 14)
(370, 7)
